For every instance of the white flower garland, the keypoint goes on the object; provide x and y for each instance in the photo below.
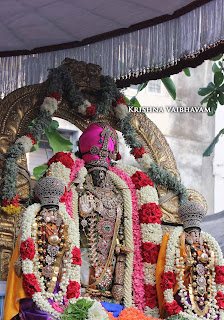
(60, 171)
(151, 312)
(121, 111)
(129, 170)
(175, 263)
(145, 162)
(26, 142)
(70, 271)
(150, 273)
(151, 232)
(82, 108)
(147, 194)
(49, 104)
(129, 242)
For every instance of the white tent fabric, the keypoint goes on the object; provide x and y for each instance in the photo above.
(28, 24)
(136, 53)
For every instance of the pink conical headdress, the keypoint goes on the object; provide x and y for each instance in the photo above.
(98, 145)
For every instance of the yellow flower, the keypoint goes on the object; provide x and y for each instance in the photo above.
(11, 209)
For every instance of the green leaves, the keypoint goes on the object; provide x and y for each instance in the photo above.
(204, 91)
(215, 68)
(56, 141)
(212, 104)
(217, 58)
(134, 102)
(210, 148)
(187, 72)
(142, 86)
(221, 98)
(218, 78)
(170, 86)
(38, 172)
(35, 147)
(78, 310)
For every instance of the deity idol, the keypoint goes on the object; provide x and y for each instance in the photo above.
(102, 242)
(190, 270)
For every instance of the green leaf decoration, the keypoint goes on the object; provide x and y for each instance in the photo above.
(38, 172)
(35, 147)
(187, 72)
(205, 100)
(204, 91)
(57, 142)
(218, 78)
(215, 68)
(134, 102)
(127, 101)
(142, 86)
(54, 125)
(78, 310)
(211, 147)
(217, 58)
(212, 104)
(170, 86)
(221, 88)
(221, 98)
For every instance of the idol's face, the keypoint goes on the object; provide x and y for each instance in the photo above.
(98, 177)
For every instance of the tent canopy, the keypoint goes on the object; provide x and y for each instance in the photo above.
(132, 40)
(30, 24)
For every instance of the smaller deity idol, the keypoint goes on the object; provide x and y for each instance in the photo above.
(42, 275)
(190, 272)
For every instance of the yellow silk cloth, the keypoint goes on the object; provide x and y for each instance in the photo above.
(160, 266)
(14, 288)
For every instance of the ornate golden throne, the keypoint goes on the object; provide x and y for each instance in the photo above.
(20, 107)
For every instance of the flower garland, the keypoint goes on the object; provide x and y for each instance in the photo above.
(137, 191)
(137, 275)
(174, 271)
(128, 234)
(33, 283)
(10, 203)
(61, 82)
(150, 232)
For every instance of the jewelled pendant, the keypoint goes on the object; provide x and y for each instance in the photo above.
(54, 239)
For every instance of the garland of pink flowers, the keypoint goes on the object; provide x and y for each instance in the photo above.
(150, 223)
(138, 275)
(147, 225)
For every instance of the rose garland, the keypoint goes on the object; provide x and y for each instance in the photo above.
(61, 82)
(174, 270)
(150, 233)
(33, 282)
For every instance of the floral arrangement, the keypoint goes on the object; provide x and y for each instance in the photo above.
(60, 82)
(33, 282)
(131, 314)
(147, 233)
(84, 308)
(10, 203)
(174, 271)
(142, 234)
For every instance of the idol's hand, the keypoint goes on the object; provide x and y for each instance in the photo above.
(86, 204)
